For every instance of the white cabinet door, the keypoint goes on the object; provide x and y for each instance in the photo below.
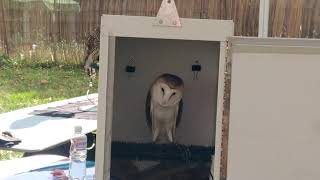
(274, 130)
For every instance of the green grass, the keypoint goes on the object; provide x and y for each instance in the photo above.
(28, 85)
(7, 155)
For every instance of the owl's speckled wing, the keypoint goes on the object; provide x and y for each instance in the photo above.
(148, 111)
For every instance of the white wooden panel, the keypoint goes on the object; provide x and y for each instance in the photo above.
(192, 29)
(274, 115)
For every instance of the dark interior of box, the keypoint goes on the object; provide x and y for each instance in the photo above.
(138, 62)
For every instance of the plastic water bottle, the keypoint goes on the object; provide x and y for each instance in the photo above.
(78, 155)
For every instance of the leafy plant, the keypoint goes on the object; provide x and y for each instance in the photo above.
(5, 60)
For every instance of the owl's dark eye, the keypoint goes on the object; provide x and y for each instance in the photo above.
(172, 95)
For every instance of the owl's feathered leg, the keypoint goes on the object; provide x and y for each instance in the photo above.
(169, 133)
(155, 134)
(155, 131)
(173, 130)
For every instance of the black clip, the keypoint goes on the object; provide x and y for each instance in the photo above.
(195, 69)
(131, 68)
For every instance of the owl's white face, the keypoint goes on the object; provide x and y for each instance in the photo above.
(164, 95)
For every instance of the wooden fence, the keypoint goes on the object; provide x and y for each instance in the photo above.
(22, 25)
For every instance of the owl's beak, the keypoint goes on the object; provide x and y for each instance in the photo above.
(164, 104)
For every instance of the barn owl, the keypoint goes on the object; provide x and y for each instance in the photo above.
(164, 106)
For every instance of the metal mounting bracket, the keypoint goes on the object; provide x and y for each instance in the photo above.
(168, 14)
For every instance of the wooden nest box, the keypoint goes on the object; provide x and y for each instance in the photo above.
(268, 124)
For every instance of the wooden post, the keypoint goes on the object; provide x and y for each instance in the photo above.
(52, 34)
(264, 18)
(5, 29)
(59, 20)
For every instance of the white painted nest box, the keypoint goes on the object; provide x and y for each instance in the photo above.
(274, 124)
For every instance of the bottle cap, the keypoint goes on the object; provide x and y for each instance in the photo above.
(78, 129)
